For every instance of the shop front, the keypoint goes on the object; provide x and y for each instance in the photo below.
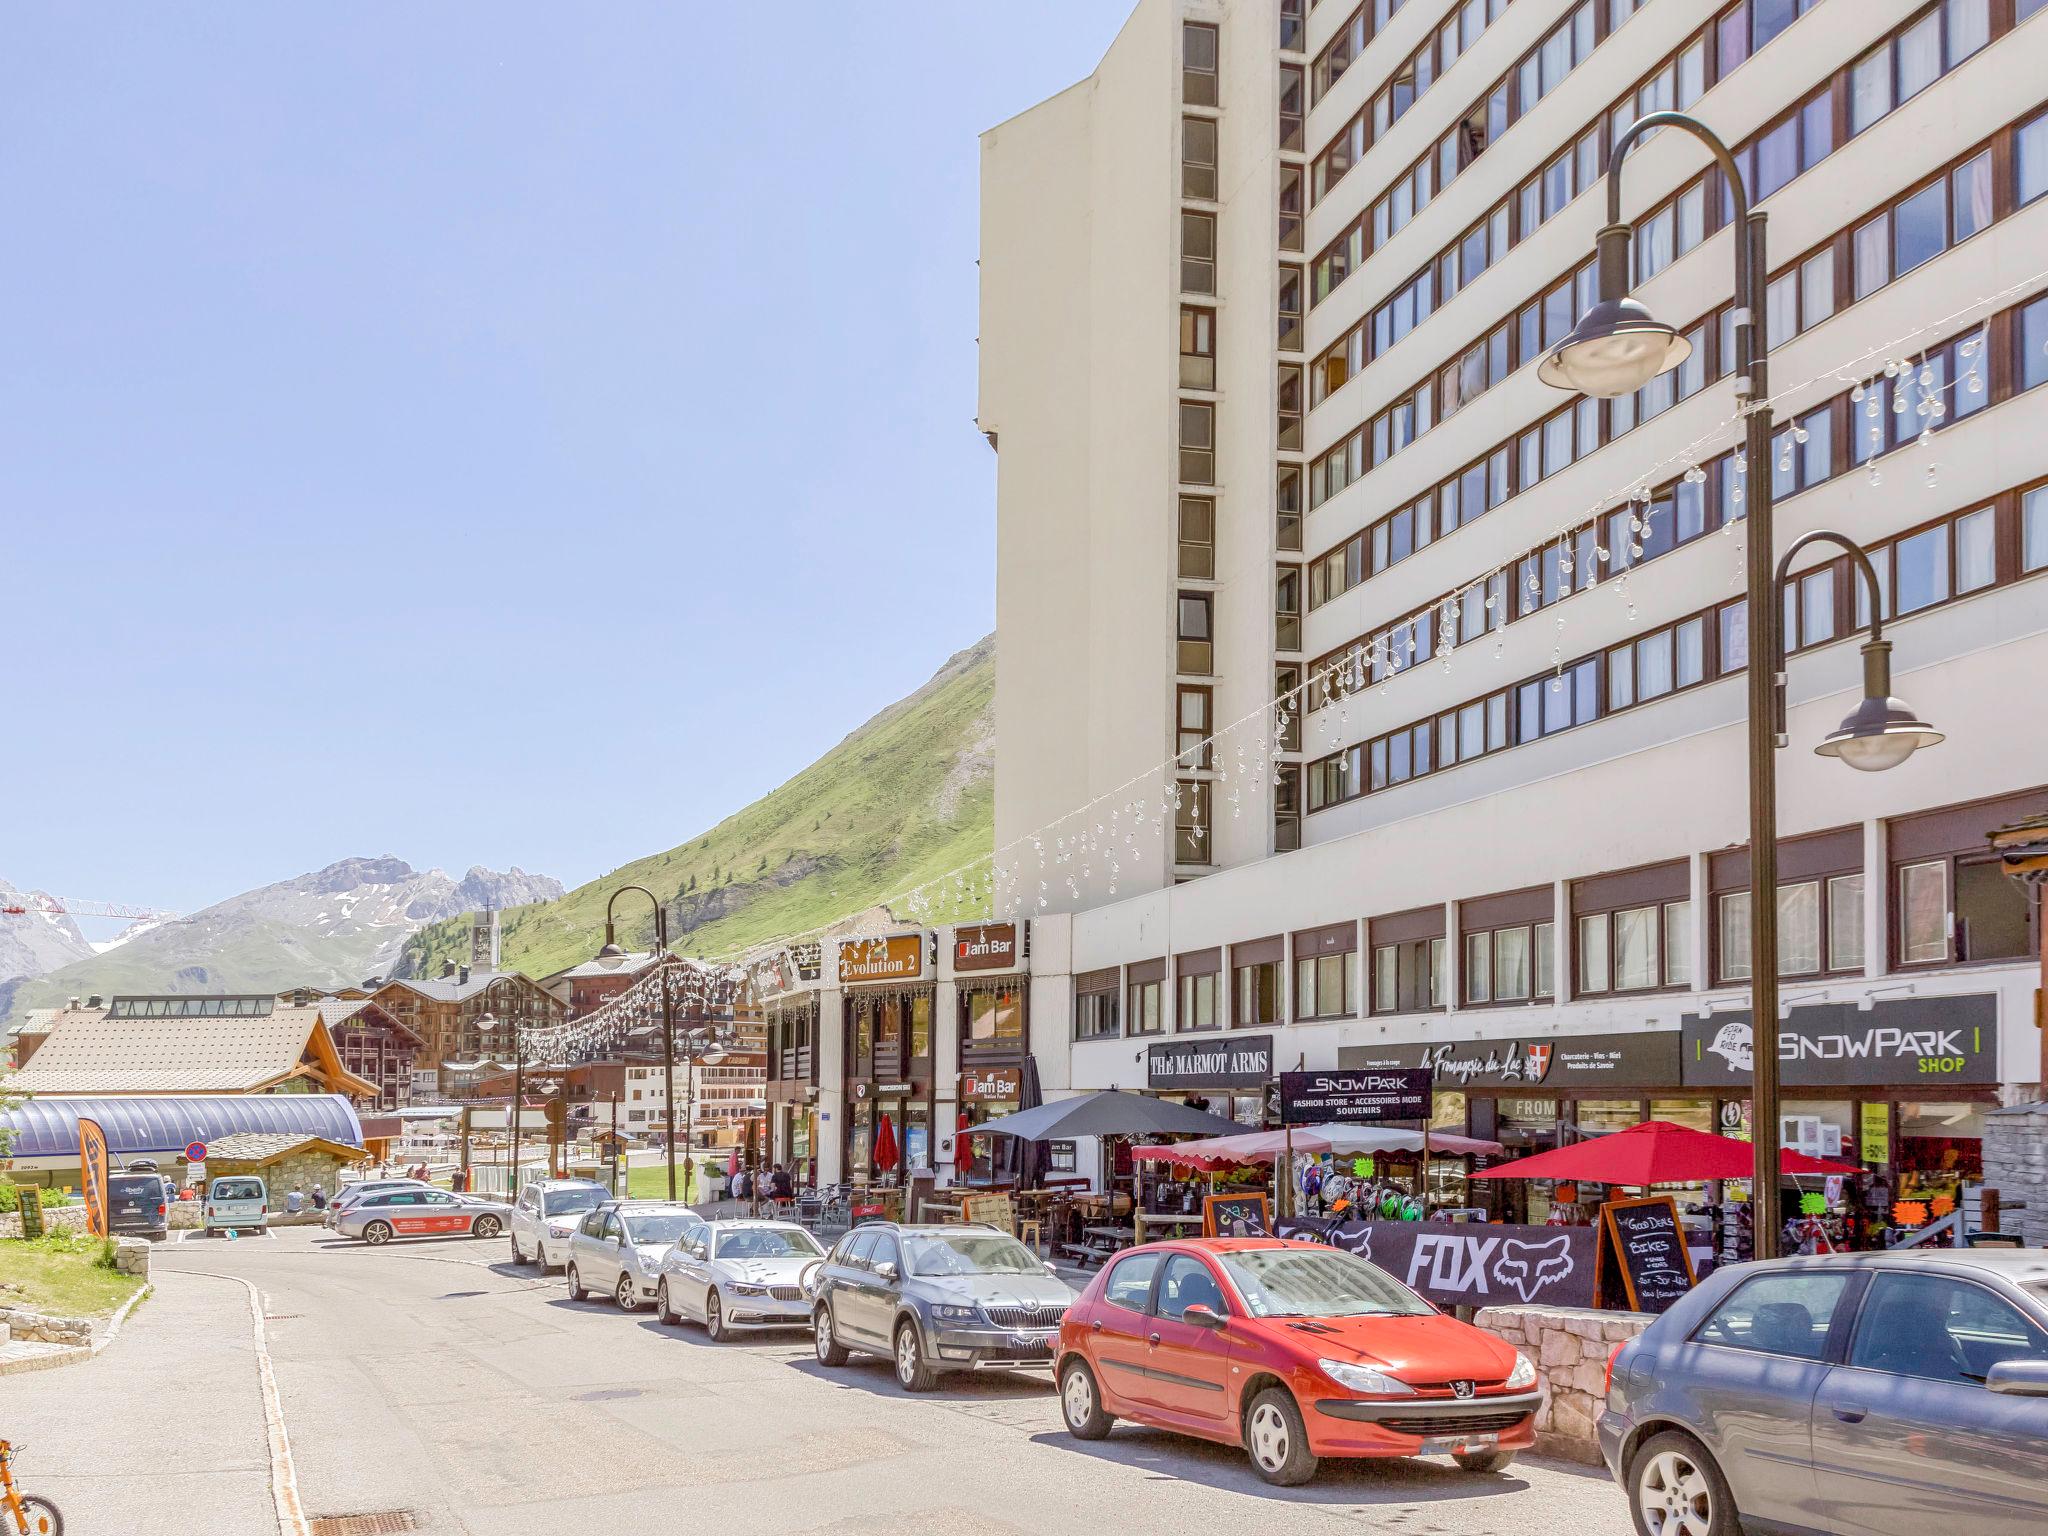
(1230, 1075)
(887, 1006)
(791, 1092)
(991, 1008)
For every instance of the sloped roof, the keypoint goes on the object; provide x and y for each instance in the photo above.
(272, 1146)
(631, 963)
(337, 1010)
(96, 1053)
(140, 1125)
(451, 989)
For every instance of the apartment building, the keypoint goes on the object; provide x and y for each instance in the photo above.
(1263, 303)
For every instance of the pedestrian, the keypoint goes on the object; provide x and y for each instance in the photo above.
(781, 1185)
(743, 1186)
(319, 1197)
(295, 1202)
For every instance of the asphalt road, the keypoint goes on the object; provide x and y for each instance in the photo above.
(433, 1377)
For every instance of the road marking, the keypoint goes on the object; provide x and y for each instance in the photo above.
(284, 1477)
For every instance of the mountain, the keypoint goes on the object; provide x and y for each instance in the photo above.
(908, 796)
(338, 924)
(33, 942)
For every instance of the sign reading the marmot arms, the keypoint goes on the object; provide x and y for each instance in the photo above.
(1221, 1062)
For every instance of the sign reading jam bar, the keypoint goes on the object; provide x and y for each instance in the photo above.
(985, 947)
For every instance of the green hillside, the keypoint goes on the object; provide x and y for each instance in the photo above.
(906, 797)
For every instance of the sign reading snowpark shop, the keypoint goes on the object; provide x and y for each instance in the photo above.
(1899, 1042)
(1354, 1097)
(892, 957)
(1224, 1063)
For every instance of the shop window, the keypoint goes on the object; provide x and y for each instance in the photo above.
(1195, 1008)
(994, 1018)
(1145, 1002)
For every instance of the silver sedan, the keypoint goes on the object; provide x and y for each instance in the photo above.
(738, 1274)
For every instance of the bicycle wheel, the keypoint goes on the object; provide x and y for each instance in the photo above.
(42, 1517)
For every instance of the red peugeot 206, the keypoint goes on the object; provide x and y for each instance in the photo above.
(1294, 1351)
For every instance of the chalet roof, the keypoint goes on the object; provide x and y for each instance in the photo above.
(452, 989)
(631, 963)
(193, 1052)
(265, 1147)
(337, 1010)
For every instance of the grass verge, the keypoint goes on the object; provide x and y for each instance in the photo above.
(62, 1275)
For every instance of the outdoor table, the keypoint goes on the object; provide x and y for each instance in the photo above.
(1174, 1223)
(946, 1210)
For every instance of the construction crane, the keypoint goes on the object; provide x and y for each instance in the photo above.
(65, 906)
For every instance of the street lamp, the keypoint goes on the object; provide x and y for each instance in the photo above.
(1618, 347)
(612, 951)
(487, 1024)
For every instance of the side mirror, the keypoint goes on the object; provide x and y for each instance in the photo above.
(1203, 1317)
(1051, 1268)
(2019, 1378)
(887, 1271)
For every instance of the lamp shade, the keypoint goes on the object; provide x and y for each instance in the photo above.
(1615, 348)
(1880, 734)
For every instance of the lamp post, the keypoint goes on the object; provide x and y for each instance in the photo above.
(487, 1024)
(612, 951)
(1617, 347)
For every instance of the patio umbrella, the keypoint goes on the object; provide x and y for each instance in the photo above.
(886, 1156)
(1263, 1146)
(1107, 1113)
(1656, 1152)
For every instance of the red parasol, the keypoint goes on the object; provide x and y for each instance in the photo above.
(886, 1155)
(1656, 1152)
(732, 1164)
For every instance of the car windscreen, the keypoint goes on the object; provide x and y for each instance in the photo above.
(146, 1185)
(657, 1227)
(1300, 1282)
(767, 1243)
(237, 1189)
(970, 1253)
(567, 1202)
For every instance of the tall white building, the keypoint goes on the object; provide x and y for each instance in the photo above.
(1262, 300)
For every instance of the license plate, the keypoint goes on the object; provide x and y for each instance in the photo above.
(1457, 1445)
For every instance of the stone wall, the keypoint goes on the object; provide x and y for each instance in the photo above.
(2016, 1165)
(64, 1218)
(308, 1170)
(1570, 1348)
(36, 1328)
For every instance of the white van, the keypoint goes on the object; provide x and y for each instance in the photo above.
(237, 1202)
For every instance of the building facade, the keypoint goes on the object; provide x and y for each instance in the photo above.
(1262, 303)
(444, 1012)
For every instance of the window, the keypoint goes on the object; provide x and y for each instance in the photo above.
(1198, 252)
(1919, 228)
(1678, 943)
(1920, 569)
(1198, 158)
(2031, 153)
(1287, 608)
(1923, 913)
(1196, 1007)
(1870, 88)
(1845, 923)
(1976, 564)
(1130, 1282)
(2033, 359)
(1323, 986)
(1256, 989)
(1970, 193)
(1293, 106)
(1198, 64)
(1191, 822)
(1195, 749)
(1095, 1010)
(1594, 974)
(1198, 538)
(1290, 200)
(1289, 339)
(1735, 936)
(1198, 442)
(1186, 1282)
(1634, 948)
(1145, 1004)
(1781, 1314)
(1478, 967)
(1511, 977)
(1940, 1329)
(1799, 928)
(1197, 349)
(2034, 530)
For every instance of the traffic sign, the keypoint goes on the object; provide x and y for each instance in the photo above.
(195, 1152)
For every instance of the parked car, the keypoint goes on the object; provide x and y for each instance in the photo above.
(137, 1205)
(353, 1194)
(935, 1299)
(618, 1248)
(1294, 1351)
(737, 1274)
(546, 1216)
(236, 1203)
(378, 1218)
(1882, 1393)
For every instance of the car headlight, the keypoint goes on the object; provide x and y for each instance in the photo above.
(1363, 1378)
(1523, 1375)
(739, 1289)
(945, 1312)
(560, 1228)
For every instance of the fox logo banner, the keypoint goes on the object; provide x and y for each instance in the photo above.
(1457, 1263)
(92, 1166)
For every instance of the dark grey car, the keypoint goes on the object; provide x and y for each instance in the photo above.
(934, 1299)
(138, 1206)
(1880, 1394)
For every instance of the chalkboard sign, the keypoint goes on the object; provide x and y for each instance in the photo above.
(31, 1204)
(1236, 1216)
(1648, 1244)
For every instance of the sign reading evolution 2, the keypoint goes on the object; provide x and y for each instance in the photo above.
(1643, 1059)
(895, 957)
(1899, 1042)
(1240, 1063)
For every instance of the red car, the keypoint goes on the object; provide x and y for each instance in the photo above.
(1294, 1351)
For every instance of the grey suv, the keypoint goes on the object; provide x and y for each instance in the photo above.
(1884, 1394)
(934, 1299)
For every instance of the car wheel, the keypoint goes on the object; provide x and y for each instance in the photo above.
(625, 1295)
(714, 1317)
(1485, 1461)
(1276, 1439)
(825, 1338)
(485, 1227)
(1081, 1402)
(517, 1256)
(377, 1233)
(913, 1373)
(663, 1312)
(576, 1291)
(1674, 1489)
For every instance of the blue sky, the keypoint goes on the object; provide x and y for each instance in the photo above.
(486, 433)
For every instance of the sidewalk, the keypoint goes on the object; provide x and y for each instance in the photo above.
(101, 1447)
